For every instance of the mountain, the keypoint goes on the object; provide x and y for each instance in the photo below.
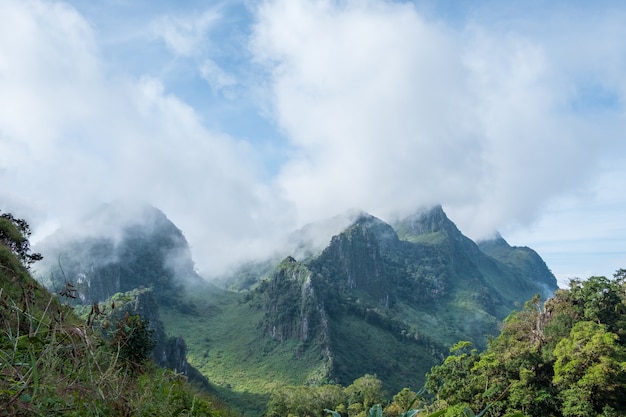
(118, 250)
(382, 299)
(56, 363)
(397, 297)
(523, 262)
(377, 298)
(509, 273)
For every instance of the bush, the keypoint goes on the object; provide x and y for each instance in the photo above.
(134, 341)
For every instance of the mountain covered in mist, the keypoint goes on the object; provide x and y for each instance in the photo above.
(376, 298)
(119, 249)
(390, 300)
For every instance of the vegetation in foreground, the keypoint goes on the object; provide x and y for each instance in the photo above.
(53, 363)
(565, 359)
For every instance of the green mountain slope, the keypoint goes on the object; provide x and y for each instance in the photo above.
(372, 301)
(53, 363)
(377, 299)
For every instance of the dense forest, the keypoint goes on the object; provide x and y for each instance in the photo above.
(565, 358)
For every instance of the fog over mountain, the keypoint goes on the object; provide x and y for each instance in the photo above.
(246, 120)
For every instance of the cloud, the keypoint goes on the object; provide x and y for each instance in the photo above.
(73, 135)
(371, 105)
(217, 78)
(389, 111)
(359, 91)
(184, 36)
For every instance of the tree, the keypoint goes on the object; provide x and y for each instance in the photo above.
(305, 400)
(590, 370)
(598, 299)
(402, 402)
(366, 391)
(14, 234)
(454, 381)
(134, 340)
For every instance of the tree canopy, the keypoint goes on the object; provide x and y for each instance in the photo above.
(14, 234)
(567, 358)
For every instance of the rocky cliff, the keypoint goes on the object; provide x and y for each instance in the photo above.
(169, 352)
(375, 297)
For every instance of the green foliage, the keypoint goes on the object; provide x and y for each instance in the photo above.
(51, 363)
(134, 340)
(403, 404)
(225, 344)
(378, 411)
(304, 400)
(453, 381)
(312, 401)
(590, 370)
(567, 359)
(366, 390)
(14, 234)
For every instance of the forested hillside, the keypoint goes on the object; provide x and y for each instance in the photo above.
(54, 363)
(564, 358)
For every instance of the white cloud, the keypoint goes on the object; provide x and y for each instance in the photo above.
(390, 111)
(360, 91)
(73, 136)
(217, 78)
(184, 36)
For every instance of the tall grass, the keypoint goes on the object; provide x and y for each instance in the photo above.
(51, 363)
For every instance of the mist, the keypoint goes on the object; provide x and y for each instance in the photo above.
(243, 124)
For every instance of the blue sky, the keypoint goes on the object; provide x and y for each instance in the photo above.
(243, 120)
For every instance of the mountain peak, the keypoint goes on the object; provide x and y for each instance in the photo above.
(496, 241)
(122, 248)
(426, 221)
(384, 233)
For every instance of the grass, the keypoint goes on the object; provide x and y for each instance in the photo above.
(51, 366)
(433, 239)
(225, 344)
(52, 363)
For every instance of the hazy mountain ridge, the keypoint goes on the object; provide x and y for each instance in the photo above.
(417, 294)
(380, 299)
(119, 254)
